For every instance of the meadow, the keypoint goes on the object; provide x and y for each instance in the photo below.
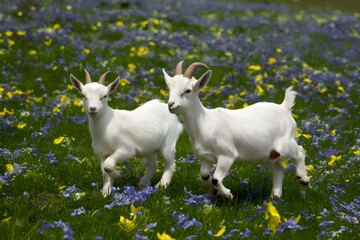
(50, 178)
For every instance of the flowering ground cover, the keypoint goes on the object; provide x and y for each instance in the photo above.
(50, 179)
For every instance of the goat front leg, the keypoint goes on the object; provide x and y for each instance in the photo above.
(151, 165)
(222, 168)
(108, 168)
(205, 172)
(107, 180)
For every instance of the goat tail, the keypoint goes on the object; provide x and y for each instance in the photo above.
(289, 100)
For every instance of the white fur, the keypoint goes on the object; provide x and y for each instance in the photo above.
(118, 135)
(222, 136)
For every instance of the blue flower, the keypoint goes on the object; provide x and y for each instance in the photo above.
(78, 212)
(196, 199)
(68, 232)
(183, 220)
(52, 158)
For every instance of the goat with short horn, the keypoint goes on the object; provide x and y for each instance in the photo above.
(262, 131)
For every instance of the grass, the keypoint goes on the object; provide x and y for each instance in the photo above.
(51, 179)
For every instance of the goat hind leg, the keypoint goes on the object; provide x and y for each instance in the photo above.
(278, 177)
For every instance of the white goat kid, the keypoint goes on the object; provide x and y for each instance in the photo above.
(258, 132)
(118, 135)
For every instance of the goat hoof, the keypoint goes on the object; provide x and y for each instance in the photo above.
(303, 180)
(276, 197)
(205, 178)
(214, 181)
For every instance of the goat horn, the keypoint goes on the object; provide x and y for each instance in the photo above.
(102, 78)
(88, 78)
(191, 69)
(178, 70)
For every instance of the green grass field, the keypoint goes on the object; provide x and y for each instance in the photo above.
(51, 180)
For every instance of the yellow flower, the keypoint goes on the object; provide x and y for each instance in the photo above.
(19, 13)
(273, 216)
(63, 98)
(142, 51)
(258, 78)
(307, 80)
(254, 67)
(220, 232)
(21, 33)
(357, 152)
(333, 159)
(58, 140)
(120, 24)
(56, 110)
(9, 33)
(9, 168)
(68, 7)
(164, 236)
(86, 51)
(164, 92)
(9, 94)
(228, 54)
(284, 163)
(127, 223)
(32, 52)
(21, 125)
(309, 167)
(307, 136)
(131, 67)
(259, 89)
(271, 61)
(56, 26)
(77, 102)
(124, 82)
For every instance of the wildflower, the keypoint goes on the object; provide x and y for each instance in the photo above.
(21, 125)
(58, 140)
(196, 199)
(32, 52)
(333, 159)
(9, 168)
(124, 82)
(220, 232)
(44, 225)
(183, 220)
(254, 67)
(164, 236)
(245, 234)
(78, 212)
(126, 223)
(273, 216)
(271, 61)
(20, 33)
(9, 33)
(290, 224)
(86, 51)
(52, 158)
(68, 232)
(120, 24)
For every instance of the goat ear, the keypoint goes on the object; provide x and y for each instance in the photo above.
(112, 86)
(203, 80)
(167, 77)
(76, 83)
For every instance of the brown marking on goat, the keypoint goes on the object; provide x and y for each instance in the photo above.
(274, 155)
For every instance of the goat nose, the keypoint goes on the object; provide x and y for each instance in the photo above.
(93, 109)
(170, 104)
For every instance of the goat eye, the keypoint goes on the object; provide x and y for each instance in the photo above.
(188, 91)
(83, 95)
(103, 97)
